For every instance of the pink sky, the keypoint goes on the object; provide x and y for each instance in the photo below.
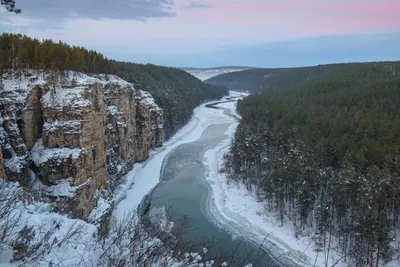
(223, 23)
(232, 21)
(303, 17)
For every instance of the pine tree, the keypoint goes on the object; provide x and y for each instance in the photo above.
(78, 59)
(10, 6)
(23, 58)
(37, 57)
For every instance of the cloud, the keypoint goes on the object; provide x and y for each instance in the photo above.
(18, 23)
(57, 10)
(195, 5)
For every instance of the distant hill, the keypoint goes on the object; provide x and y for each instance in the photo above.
(207, 73)
(256, 80)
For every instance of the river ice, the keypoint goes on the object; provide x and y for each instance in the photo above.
(145, 176)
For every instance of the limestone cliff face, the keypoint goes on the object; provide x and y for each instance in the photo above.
(83, 134)
(120, 131)
(149, 123)
(32, 117)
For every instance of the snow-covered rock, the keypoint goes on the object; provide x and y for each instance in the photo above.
(78, 134)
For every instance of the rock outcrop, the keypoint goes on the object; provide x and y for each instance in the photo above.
(149, 125)
(78, 136)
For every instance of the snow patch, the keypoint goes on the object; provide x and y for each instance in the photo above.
(113, 110)
(66, 97)
(62, 188)
(16, 164)
(205, 74)
(145, 98)
(108, 78)
(39, 154)
(6, 254)
(71, 126)
(102, 207)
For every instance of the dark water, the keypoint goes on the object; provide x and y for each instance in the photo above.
(183, 190)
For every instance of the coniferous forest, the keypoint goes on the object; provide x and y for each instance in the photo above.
(325, 155)
(175, 91)
(257, 80)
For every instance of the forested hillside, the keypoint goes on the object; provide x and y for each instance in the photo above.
(257, 80)
(326, 155)
(176, 91)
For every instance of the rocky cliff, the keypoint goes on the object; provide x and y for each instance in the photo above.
(76, 135)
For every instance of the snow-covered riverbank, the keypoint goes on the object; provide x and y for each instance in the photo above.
(145, 176)
(233, 205)
(236, 210)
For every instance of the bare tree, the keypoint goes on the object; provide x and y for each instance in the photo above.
(10, 216)
(147, 240)
(136, 240)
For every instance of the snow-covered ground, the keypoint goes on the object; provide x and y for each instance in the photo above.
(204, 74)
(54, 237)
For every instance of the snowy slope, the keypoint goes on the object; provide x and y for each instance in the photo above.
(207, 73)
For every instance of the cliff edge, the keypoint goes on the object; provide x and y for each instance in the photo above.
(74, 135)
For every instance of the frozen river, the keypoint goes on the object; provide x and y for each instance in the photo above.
(182, 181)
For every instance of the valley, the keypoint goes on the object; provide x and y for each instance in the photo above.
(112, 163)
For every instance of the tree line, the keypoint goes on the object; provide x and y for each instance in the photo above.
(258, 80)
(325, 155)
(175, 90)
